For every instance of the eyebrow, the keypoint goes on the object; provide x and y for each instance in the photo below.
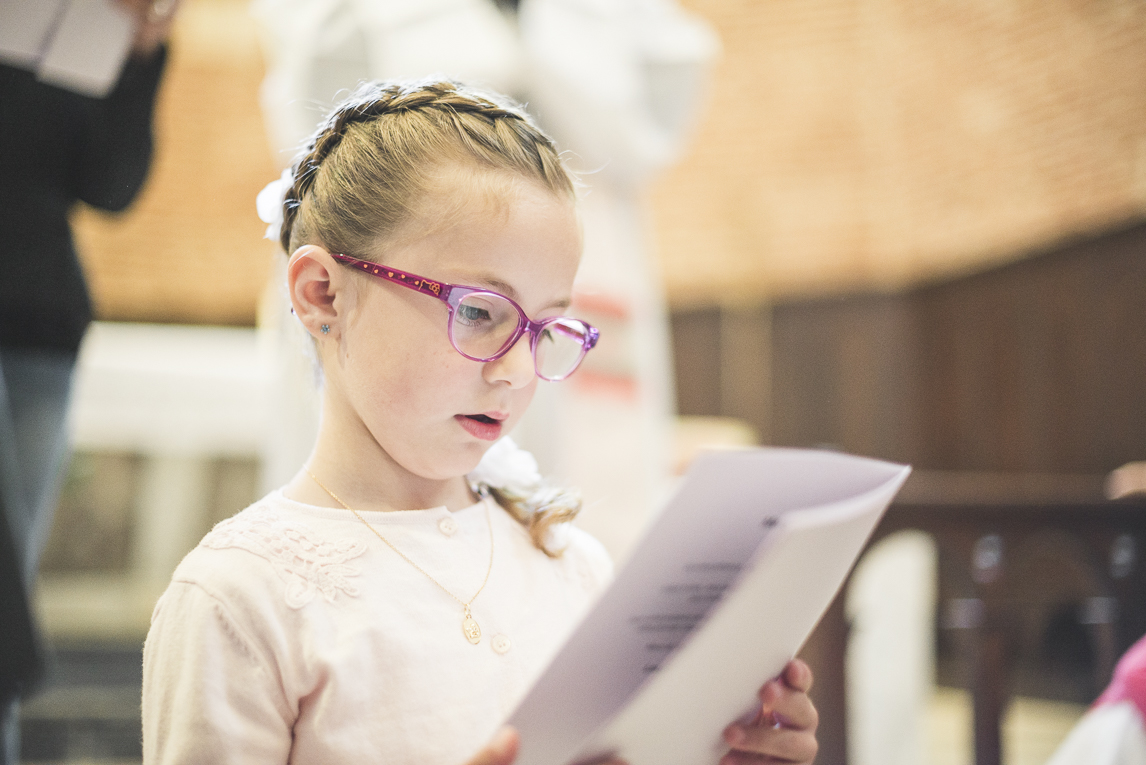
(507, 289)
(504, 288)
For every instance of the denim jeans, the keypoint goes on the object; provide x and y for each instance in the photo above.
(33, 448)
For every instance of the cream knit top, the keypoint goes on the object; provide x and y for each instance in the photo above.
(292, 634)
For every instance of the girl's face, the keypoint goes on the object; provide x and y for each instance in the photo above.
(399, 386)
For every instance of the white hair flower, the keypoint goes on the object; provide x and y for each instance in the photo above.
(508, 468)
(269, 204)
(511, 474)
(558, 536)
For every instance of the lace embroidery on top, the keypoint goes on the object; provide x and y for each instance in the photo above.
(306, 563)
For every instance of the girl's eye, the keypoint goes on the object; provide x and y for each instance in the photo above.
(471, 314)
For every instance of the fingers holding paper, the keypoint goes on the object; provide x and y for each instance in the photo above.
(784, 731)
(786, 698)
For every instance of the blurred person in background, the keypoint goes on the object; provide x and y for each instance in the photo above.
(1112, 732)
(78, 83)
(618, 84)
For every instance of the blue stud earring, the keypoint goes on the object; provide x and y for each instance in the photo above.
(325, 329)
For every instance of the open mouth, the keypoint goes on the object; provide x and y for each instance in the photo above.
(481, 425)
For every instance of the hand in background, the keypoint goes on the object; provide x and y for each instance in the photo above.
(153, 23)
(784, 731)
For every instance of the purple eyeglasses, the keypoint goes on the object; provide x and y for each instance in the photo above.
(484, 325)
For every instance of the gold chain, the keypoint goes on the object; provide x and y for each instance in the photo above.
(470, 627)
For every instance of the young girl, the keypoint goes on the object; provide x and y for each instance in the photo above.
(393, 602)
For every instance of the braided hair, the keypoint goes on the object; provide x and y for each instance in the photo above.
(373, 159)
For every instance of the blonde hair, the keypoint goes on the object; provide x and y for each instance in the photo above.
(379, 153)
(376, 158)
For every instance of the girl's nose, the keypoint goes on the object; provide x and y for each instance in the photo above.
(515, 367)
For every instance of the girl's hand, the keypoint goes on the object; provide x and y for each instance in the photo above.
(501, 749)
(784, 731)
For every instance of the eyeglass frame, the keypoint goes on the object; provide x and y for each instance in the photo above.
(453, 294)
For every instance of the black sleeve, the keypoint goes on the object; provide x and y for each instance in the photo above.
(115, 150)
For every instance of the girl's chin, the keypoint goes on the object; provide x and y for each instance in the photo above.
(466, 460)
(441, 463)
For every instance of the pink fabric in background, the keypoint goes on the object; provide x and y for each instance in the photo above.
(1129, 682)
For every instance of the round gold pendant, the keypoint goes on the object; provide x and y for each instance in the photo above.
(471, 630)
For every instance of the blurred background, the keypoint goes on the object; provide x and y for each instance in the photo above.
(915, 231)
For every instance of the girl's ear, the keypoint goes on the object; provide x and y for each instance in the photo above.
(313, 282)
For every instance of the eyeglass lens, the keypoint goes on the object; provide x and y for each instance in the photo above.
(559, 348)
(484, 323)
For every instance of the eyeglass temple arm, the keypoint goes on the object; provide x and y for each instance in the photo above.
(439, 290)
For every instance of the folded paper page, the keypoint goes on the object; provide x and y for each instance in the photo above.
(717, 598)
(78, 45)
(89, 47)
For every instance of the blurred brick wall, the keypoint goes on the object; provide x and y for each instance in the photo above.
(874, 143)
(847, 145)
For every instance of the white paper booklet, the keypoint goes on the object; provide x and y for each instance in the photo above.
(80, 45)
(717, 598)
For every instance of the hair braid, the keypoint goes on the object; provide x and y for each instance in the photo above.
(491, 130)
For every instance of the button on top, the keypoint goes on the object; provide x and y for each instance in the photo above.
(447, 526)
(501, 643)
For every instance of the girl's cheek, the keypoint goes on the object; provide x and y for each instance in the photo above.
(419, 377)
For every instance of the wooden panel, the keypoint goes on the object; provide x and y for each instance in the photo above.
(696, 361)
(1037, 366)
(844, 375)
(746, 366)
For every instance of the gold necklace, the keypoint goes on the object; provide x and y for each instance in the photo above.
(470, 627)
